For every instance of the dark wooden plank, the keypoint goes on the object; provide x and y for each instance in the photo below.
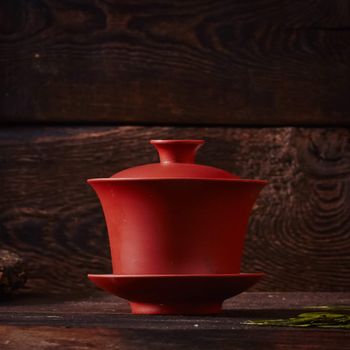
(101, 323)
(261, 62)
(20, 337)
(36, 309)
(298, 234)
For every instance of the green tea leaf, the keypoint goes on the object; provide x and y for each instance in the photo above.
(308, 319)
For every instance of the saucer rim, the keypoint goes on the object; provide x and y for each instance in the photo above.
(148, 276)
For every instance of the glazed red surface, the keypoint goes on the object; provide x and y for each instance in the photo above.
(176, 161)
(176, 226)
(176, 294)
(192, 222)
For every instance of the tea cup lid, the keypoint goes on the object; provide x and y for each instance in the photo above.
(177, 160)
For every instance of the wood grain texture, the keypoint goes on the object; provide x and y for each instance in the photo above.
(45, 337)
(258, 62)
(299, 232)
(102, 309)
(102, 323)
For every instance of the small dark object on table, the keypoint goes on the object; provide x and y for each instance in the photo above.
(13, 274)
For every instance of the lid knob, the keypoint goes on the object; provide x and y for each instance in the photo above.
(177, 151)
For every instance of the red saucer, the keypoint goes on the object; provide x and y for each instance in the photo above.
(176, 294)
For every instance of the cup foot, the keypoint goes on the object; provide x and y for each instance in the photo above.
(207, 308)
(176, 294)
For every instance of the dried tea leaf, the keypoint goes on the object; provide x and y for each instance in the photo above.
(328, 307)
(308, 319)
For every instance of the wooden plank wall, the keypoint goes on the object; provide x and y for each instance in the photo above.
(84, 84)
(298, 235)
(256, 62)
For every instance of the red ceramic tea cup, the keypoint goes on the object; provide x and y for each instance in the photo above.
(176, 217)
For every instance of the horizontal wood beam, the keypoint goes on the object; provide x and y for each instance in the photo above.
(261, 62)
(104, 322)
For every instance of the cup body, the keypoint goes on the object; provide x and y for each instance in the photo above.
(176, 226)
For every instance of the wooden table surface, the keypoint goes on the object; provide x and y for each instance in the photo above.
(101, 321)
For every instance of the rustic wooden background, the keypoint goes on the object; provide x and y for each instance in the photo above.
(266, 62)
(84, 84)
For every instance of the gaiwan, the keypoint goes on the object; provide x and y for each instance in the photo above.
(176, 231)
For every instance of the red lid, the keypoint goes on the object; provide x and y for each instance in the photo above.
(176, 161)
